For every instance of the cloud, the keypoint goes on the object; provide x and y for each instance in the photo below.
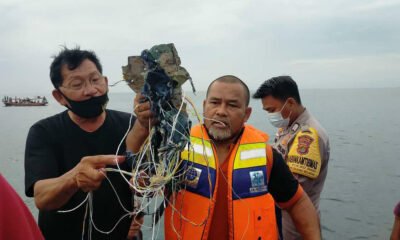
(361, 71)
(252, 39)
(377, 5)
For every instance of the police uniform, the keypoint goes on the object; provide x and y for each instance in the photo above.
(305, 147)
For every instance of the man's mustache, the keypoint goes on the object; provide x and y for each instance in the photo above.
(224, 121)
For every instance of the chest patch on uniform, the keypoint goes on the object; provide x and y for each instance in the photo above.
(281, 143)
(257, 182)
(281, 149)
(192, 177)
(304, 143)
(304, 157)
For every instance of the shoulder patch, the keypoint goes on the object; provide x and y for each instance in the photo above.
(304, 157)
(304, 142)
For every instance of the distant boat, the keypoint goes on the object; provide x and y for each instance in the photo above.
(24, 102)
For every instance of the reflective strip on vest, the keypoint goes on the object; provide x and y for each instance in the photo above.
(250, 155)
(249, 178)
(200, 152)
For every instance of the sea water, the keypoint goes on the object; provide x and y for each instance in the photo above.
(362, 186)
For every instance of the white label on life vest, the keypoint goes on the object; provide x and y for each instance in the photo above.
(257, 182)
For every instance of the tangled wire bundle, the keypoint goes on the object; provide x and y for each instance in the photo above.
(158, 76)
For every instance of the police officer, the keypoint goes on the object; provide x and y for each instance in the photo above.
(300, 139)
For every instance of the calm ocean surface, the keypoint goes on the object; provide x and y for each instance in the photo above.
(363, 180)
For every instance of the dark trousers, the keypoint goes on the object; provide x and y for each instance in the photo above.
(278, 213)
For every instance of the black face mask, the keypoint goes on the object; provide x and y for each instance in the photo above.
(90, 108)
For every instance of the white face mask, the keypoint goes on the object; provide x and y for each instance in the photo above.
(277, 120)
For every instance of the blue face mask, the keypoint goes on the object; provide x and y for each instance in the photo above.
(277, 120)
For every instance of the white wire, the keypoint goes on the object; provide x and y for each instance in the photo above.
(73, 209)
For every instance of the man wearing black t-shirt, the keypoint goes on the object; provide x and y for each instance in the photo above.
(66, 155)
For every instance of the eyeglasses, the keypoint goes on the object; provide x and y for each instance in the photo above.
(79, 84)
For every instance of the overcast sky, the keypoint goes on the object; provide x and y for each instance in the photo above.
(320, 43)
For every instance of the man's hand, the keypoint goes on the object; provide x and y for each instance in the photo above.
(90, 173)
(137, 221)
(145, 119)
(142, 109)
(53, 193)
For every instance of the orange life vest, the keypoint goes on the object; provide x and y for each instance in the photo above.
(251, 212)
